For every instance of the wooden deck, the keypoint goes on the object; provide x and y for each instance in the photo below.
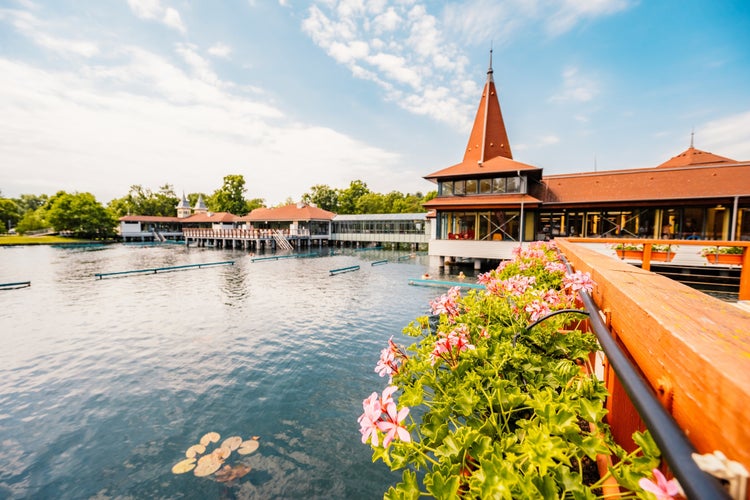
(693, 350)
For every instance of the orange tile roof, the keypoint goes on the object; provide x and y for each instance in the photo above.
(224, 217)
(694, 157)
(291, 212)
(474, 202)
(496, 165)
(488, 150)
(149, 218)
(648, 184)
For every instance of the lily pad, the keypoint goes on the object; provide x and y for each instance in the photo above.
(232, 443)
(248, 447)
(228, 474)
(221, 453)
(207, 465)
(211, 437)
(185, 466)
(194, 450)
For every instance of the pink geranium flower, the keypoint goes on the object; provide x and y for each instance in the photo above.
(368, 420)
(393, 426)
(447, 304)
(390, 360)
(663, 489)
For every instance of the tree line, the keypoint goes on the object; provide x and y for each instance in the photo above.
(81, 215)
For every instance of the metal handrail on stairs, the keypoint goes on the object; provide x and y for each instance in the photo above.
(281, 240)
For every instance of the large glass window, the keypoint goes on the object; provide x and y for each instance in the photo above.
(498, 185)
(447, 188)
(514, 185)
(485, 186)
(471, 186)
(459, 188)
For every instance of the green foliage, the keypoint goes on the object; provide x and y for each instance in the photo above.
(230, 197)
(10, 213)
(358, 199)
(323, 196)
(503, 407)
(722, 250)
(81, 215)
(32, 221)
(348, 197)
(143, 201)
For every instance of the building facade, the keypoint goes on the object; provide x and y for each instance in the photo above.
(490, 202)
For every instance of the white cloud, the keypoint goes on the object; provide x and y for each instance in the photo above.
(146, 121)
(173, 20)
(400, 47)
(38, 31)
(146, 9)
(571, 12)
(154, 10)
(221, 50)
(576, 87)
(726, 136)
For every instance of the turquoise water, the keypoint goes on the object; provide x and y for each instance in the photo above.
(105, 383)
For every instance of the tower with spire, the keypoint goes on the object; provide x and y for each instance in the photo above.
(183, 208)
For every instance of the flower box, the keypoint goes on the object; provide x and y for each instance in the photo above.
(724, 258)
(630, 254)
(662, 256)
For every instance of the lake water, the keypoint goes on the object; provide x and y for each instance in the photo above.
(105, 383)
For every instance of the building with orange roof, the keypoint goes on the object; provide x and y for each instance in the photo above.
(489, 202)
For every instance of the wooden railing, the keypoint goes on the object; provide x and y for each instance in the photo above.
(692, 349)
(744, 292)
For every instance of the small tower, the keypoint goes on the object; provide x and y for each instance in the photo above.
(200, 206)
(183, 208)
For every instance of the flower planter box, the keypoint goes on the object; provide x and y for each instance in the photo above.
(724, 258)
(631, 254)
(662, 256)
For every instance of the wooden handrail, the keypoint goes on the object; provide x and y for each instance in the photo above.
(693, 349)
(744, 292)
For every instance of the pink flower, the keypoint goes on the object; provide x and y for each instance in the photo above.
(447, 304)
(663, 489)
(578, 281)
(368, 420)
(555, 267)
(390, 359)
(381, 415)
(449, 345)
(392, 425)
(537, 309)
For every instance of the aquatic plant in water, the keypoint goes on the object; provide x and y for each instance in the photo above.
(214, 461)
(503, 401)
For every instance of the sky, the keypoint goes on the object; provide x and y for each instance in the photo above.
(100, 95)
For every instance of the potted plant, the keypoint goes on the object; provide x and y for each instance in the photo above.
(723, 255)
(629, 251)
(662, 253)
(493, 401)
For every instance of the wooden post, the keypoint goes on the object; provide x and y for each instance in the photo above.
(745, 275)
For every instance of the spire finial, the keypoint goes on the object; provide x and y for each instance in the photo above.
(489, 71)
(692, 136)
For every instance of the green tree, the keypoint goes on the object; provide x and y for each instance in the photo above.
(323, 196)
(10, 214)
(80, 214)
(254, 203)
(372, 203)
(32, 221)
(230, 197)
(30, 202)
(143, 201)
(349, 196)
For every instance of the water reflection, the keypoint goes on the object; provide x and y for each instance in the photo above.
(105, 383)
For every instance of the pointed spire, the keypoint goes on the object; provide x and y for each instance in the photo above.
(692, 136)
(488, 137)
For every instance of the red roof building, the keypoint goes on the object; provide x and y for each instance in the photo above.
(489, 197)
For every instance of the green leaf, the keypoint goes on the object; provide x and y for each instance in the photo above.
(407, 489)
(442, 485)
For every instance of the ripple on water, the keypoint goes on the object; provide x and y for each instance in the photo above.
(105, 383)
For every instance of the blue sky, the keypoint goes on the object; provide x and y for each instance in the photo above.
(97, 95)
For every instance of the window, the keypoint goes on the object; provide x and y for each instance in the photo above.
(459, 188)
(471, 186)
(447, 188)
(485, 186)
(498, 185)
(514, 185)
